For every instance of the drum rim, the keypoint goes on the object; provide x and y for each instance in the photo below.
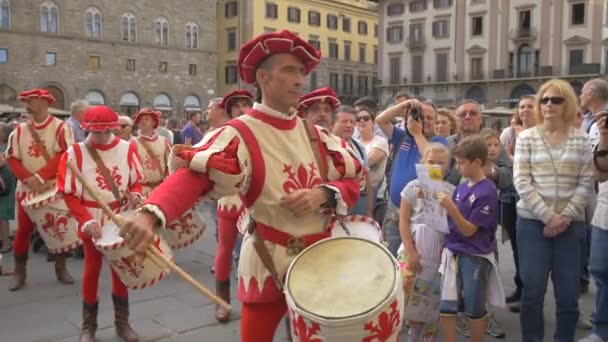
(363, 313)
(354, 218)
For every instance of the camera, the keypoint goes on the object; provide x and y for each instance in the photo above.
(415, 113)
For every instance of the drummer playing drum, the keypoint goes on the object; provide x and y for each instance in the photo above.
(291, 176)
(114, 169)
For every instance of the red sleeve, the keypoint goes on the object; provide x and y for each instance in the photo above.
(136, 188)
(179, 192)
(18, 169)
(79, 211)
(49, 171)
(349, 190)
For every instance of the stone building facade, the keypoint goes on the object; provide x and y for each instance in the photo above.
(124, 54)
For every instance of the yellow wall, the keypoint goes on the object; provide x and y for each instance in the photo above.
(356, 10)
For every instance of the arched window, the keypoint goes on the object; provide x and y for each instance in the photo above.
(191, 35)
(48, 17)
(161, 31)
(5, 14)
(524, 60)
(93, 23)
(129, 103)
(192, 104)
(95, 98)
(162, 102)
(129, 27)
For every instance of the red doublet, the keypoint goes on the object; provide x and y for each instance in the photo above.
(122, 159)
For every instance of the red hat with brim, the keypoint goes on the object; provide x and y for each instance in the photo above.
(147, 111)
(257, 50)
(325, 94)
(233, 95)
(99, 119)
(36, 94)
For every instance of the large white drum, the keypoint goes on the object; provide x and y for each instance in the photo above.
(135, 274)
(53, 220)
(345, 289)
(186, 230)
(358, 226)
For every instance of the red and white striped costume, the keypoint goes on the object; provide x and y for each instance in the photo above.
(26, 160)
(161, 148)
(123, 162)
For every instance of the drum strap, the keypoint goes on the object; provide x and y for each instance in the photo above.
(38, 142)
(152, 155)
(104, 171)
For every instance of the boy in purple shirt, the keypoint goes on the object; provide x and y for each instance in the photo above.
(472, 218)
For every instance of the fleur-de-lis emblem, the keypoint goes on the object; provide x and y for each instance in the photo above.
(34, 150)
(103, 184)
(183, 226)
(303, 178)
(129, 265)
(388, 323)
(55, 226)
(150, 164)
(302, 331)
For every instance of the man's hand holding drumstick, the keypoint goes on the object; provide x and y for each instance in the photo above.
(139, 231)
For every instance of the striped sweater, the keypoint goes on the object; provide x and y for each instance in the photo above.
(544, 192)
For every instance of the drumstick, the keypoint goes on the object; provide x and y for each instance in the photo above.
(152, 253)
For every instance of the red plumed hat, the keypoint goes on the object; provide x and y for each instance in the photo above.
(325, 94)
(99, 119)
(267, 44)
(36, 93)
(233, 95)
(148, 111)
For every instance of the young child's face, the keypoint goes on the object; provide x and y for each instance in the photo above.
(146, 122)
(438, 158)
(467, 168)
(493, 145)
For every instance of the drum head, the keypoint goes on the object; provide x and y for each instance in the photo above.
(341, 277)
(109, 235)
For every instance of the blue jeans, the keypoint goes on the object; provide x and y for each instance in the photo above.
(598, 266)
(540, 257)
(360, 207)
(390, 228)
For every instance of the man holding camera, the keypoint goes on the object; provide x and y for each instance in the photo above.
(408, 145)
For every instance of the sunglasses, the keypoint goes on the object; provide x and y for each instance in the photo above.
(365, 118)
(124, 126)
(556, 100)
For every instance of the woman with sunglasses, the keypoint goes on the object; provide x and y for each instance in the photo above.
(554, 179)
(376, 148)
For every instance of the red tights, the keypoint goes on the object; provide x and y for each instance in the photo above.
(25, 226)
(93, 260)
(259, 321)
(227, 234)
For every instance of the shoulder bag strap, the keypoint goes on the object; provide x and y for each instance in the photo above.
(104, 171)
(45, 153)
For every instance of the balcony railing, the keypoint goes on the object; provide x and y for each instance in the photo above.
(523, 33)
(412, 43)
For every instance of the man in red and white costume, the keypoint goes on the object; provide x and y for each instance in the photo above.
(123, 166)
(153, 149)
(229, 208)
(319, 107)
(35, 174)
(277, 176)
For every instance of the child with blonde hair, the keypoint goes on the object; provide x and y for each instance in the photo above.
(421, 244)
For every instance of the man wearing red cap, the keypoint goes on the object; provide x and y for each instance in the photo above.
(33, 153)
(319, 107)
(291, 177)
(113, 168)
(153, 149)
(229, 208)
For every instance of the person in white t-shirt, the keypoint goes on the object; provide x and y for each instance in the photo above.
(375, 146)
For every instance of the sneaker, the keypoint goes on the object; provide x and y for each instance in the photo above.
(462, 325)
(592, 338)
(584, 323)
(493, 328)
(513, 297)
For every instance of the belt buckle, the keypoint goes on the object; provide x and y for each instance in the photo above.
(295, 246)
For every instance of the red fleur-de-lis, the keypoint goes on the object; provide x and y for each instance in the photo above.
(150, 164)
(183, 226)
(388, 323)
(129, 266)
(34, 150)
(52, 226)
(302, 331)
(301, 179)
(101, 181)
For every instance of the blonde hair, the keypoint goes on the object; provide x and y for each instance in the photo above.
(435, 147)
(565, 90)
(451, 118)
(488, 133)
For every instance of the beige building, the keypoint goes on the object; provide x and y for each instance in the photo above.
(492, 51)
(346, 32)
(124, 54)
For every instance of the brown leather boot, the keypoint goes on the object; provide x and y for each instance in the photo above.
(222, 290)
(89, 322)
(20, 272)
(61, 271)
(121, 320)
